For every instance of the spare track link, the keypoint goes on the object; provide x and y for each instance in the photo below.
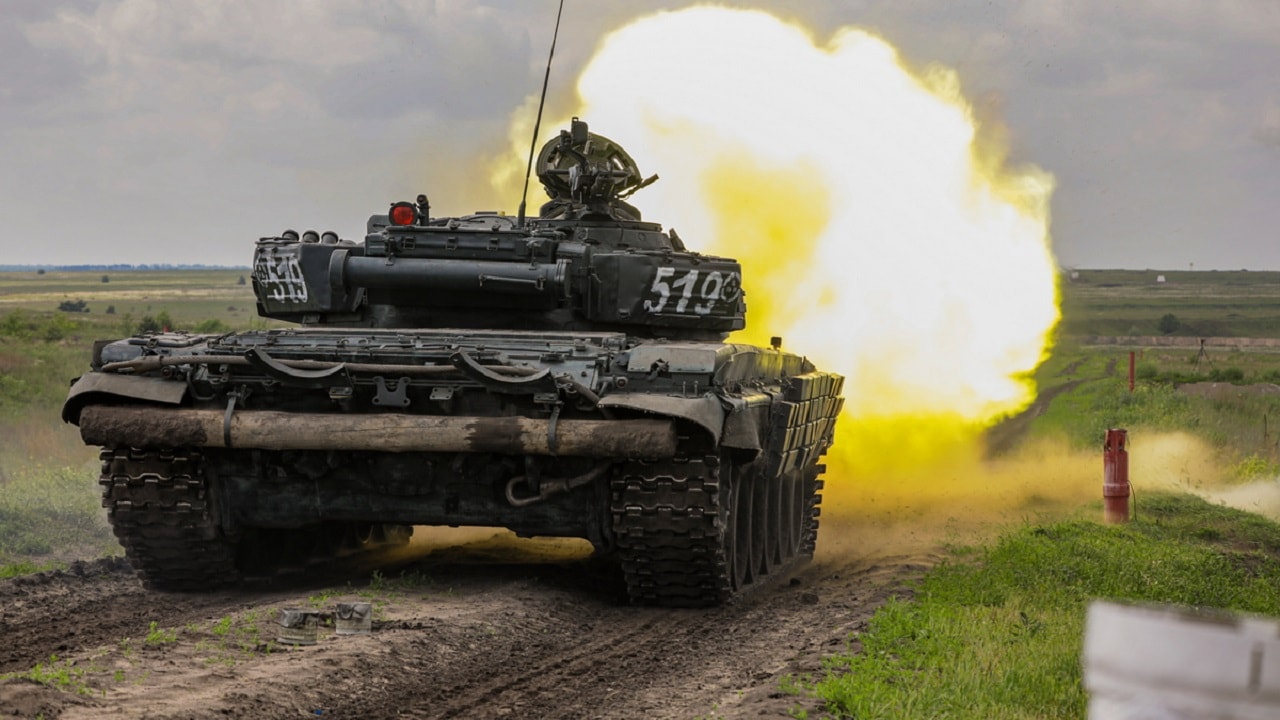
(667, 525)
(159, 506)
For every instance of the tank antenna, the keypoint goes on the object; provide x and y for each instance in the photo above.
(537, 125)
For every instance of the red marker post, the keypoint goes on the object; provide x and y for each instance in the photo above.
(1115, 477)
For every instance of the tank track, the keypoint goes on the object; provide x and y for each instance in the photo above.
(159, 507)
(677, 530)
(670, 536)
(813, 499)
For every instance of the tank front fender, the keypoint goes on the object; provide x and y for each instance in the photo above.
(705, 412)
(742, 427)
(96, 387)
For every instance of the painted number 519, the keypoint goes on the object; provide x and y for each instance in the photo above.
(714, 287)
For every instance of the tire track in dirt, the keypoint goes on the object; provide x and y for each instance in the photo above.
(100, 602)
(61, 612)
(544, 675)
(543, 639)
(578, 657)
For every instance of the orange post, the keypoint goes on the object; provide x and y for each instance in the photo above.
(1131, 363)
(1115, 477)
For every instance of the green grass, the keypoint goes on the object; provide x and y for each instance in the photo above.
(14, 569)
(34, 375)
(192, 299)
(56, 673)
(51, 511)
(49, 499)
(157, 635)
(1084, 415)
(1000, 637)
(997, 631)
(234, 638)
(1243, 425)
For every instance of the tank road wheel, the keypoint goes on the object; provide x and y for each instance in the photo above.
(160, 508)
(692, 533)
(364, 535)
(738, 545)
(771, 543)
(793, 509)
(761, 526)
(396, 535)
(371, 536)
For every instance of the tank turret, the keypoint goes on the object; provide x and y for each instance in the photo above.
(588, 262)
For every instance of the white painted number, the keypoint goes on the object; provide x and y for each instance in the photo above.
(710, 290)
(661, 288)
(281, 277)
(685, 282)
(714, 287)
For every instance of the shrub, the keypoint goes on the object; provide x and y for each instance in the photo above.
(155, 324)
(24, 326)
(147, 324)
(1169, 324)
(1227, 374)
(211, 326)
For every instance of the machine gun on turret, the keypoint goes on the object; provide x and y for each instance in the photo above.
(588, 176)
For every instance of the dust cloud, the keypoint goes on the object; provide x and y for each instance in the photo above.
(959, 497)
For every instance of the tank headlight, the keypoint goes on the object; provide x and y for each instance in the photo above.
(403, 213)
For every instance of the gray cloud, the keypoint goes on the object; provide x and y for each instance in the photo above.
(182, 130)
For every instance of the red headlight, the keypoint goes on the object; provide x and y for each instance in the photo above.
(403, 213)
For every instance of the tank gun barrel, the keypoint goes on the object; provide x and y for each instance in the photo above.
(508, 278)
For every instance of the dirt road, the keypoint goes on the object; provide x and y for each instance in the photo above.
(490, 627)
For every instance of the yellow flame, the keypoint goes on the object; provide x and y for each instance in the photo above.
(879, 229)
(877, 234)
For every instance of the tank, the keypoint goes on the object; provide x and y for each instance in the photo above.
(566, 375)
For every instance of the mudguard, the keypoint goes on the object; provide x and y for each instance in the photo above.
(706, 411)
(99, 387)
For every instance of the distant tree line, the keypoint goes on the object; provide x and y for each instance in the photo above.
(42, 269)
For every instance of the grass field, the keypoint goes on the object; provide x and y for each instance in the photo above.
(188, 296)
(49, 506)
(1205, 304)
(996, 633)
(1242, 418)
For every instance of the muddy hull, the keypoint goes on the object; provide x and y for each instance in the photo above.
(280, 489)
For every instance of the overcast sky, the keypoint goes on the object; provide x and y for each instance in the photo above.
(168, 131)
